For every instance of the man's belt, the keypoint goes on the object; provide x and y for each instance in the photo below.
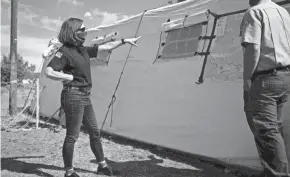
(271, 71)
(86, 90)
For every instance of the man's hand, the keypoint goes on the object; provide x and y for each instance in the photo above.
(246, 99)
(247, 85)
(132, 41)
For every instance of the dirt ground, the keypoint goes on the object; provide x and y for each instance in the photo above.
(38, 152)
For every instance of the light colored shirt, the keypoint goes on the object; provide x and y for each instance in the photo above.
(268, 25)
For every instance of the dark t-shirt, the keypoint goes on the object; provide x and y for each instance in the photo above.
(74, 61)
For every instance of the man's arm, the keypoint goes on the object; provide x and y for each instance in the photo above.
(251, 59)
(251, 33)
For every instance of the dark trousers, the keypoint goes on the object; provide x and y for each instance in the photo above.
(61, 117)
(264, 104)
(79, 110)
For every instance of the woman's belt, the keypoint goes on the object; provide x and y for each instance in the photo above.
(86, 90)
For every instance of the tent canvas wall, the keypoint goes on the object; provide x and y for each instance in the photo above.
(161, 103)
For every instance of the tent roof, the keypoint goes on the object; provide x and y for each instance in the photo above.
(188, 7)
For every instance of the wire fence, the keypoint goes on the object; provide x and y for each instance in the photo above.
(25, 95)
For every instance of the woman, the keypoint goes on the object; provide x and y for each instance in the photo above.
(73, 59)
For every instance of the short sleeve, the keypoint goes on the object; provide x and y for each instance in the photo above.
(58, 62)
(251, 28)
(92, 51)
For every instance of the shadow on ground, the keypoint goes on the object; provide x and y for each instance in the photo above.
(147, 168)
(152, 168)
(12, 164)
(210, 167)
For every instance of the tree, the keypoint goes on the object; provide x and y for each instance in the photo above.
(23, 69)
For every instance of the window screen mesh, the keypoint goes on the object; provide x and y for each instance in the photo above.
(182, 42)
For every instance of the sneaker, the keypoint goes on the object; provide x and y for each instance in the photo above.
(105, 170)
(58, 129)
(74, 174)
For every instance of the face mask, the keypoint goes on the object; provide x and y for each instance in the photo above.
(80, 36)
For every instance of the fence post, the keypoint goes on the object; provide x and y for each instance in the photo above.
(37, 102)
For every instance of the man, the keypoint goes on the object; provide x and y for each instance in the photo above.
(265, 37)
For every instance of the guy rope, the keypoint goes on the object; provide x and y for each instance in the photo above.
(118, 83)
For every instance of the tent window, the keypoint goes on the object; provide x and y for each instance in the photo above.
(182, 42)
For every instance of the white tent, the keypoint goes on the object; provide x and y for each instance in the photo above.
(161, 103)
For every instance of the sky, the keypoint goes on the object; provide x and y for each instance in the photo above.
(40, 20)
